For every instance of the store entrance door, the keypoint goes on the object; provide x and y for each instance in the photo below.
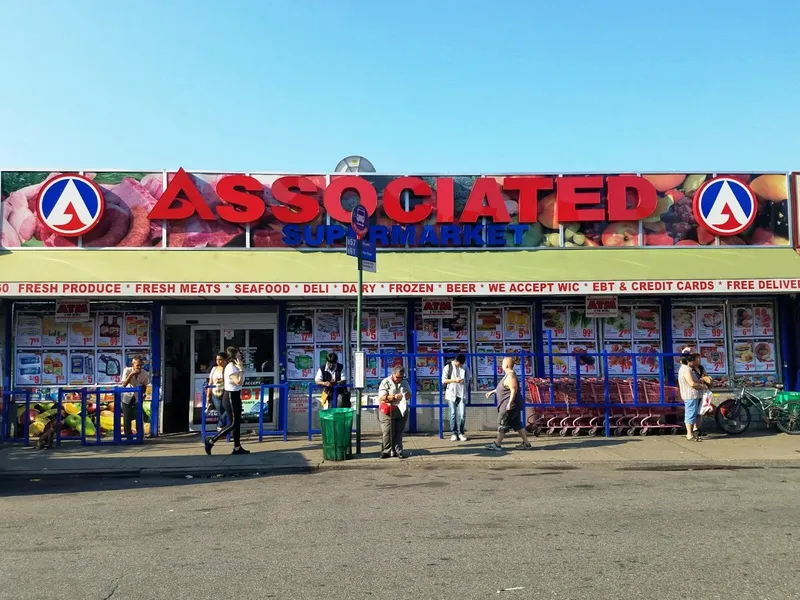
(258, 346)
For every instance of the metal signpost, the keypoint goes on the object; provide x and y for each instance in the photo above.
(359, 221)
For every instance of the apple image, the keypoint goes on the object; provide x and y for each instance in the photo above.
(623, 233)
(548, 212)
(704, 236)
(658, 227)
(663, 205)
(590, 242)
(687, 243)
(732, 241)
(665, 182)
(772, 188)
(762, 237)
(658, 239)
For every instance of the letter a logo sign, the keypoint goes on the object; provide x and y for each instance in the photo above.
(725, 206)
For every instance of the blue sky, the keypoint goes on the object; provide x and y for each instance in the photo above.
(416, 86)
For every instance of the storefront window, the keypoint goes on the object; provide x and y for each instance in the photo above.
(703, 329)
(501, 331)
(754, 343)
(636, 330)
(571, 332)
(449, 335)
(383, 331)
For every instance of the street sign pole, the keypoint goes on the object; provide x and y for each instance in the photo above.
(358, 342)
(359, 221)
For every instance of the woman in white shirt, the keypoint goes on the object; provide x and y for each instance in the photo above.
(233, 376)
(216, 390)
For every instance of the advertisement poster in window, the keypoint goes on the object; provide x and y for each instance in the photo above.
(391, 360)
(300, 362)
(29, 368)
(54, 333)
(81, 334)
(369, 326)
(427, 361)
(744, 361)
(518, 324)
(713, 358)
(109, 330)
(620, 359)
(581, 327)
(647, 362)
(559, 361)
(392, 326)
(28, 332)
(710, 323)
(764, 357)
(457, 328)
(299, 328)
(372, 370)
(54, 367)
(137, 330)
(554, 319)
(677, 348)
(684, 322)
(81, 367)
(765, 320)
(646, 324)
(328, 327)
(429, 331)
(618, 328)
(489, 324)
(489, 360)
(586, 363)
(519, 350)
(109, 367)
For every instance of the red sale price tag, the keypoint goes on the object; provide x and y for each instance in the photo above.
(496, 335)
(716, 332)
(587, 333)
(89, 379)
(306, 372)
(334, 336)
(35, 340)
(399, 334)
(460, 334)
(745, 331)
(87, 341)
(114, 341)
(35, 379)
(141, 340)
(59, 341)
(688, 333)
(306, 337)
(432, 370)
(767, 331)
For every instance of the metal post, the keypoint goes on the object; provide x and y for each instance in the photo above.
(359, 292)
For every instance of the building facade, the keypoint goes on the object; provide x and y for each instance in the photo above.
(99, 267)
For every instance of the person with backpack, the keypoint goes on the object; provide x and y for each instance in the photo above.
(330, 376)
(454, 379)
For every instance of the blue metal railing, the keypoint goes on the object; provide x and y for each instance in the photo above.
(265, 390)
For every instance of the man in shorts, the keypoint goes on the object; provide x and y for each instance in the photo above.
(509, 408)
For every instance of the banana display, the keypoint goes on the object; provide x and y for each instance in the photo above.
(73, 423)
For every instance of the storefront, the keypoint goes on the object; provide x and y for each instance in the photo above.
(175, 267)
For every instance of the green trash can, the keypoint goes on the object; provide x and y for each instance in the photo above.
(337, 426)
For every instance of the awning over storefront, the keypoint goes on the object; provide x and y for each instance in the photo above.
(717, 270)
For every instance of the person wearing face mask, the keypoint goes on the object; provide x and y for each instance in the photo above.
(393, 396)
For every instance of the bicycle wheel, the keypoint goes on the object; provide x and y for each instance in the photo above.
(731, 419)
(788, 418)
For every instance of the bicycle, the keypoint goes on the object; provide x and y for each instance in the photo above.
(734, 418)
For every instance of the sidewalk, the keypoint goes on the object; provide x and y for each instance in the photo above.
(184, 455)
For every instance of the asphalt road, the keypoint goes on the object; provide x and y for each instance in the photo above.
(406, 532)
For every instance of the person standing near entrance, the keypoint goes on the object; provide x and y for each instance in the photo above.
(454, 378)
(233, 375)
(509, 407)
(330, 376)
(216, 389)
(133, 376)
(393, 396)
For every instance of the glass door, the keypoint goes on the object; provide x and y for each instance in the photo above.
(206, 343)
(257, 344)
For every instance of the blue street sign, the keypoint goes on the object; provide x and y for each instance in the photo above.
(368, 257)
(359, 220)
(352, 247)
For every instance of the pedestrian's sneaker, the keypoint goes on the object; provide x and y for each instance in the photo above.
(454, 438)
(462, 438)
(209, 445)
(523, 446)
(494, 447)
(240, 450)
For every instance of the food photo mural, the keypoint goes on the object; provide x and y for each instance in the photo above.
(272, 211)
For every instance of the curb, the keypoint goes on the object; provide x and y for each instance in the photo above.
(375, 464)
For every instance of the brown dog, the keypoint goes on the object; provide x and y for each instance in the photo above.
(48, 436)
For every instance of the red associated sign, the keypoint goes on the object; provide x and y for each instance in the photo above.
(577, 199)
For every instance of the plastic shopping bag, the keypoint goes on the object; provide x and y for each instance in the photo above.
(707, 407)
